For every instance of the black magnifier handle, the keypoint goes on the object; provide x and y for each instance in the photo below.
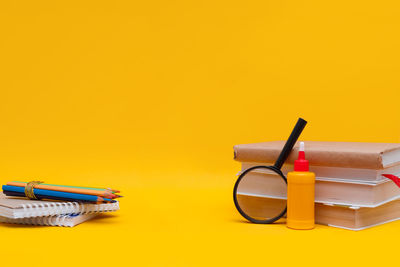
(298, 128)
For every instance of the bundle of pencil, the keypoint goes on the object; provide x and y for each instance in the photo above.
(62, 192)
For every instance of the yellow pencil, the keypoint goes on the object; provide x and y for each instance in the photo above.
(105, 194)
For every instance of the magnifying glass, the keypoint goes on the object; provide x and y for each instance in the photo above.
(260, 191)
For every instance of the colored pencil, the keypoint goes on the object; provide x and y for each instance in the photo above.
(50, 193)
(40, 197)
(91, 188)
(67, 189)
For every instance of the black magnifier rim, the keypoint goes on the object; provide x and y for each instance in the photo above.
(272, 168)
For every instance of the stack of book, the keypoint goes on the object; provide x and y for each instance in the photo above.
(64, 205)
(53, 213)
(350, 191)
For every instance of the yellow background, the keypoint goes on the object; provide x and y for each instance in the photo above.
(150, 96)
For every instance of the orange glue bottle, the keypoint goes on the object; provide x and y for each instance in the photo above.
(300, 194)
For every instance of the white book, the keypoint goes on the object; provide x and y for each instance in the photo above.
(15, 208)
(350, 174)
(66, 220)
(347, 217)
(327, 190)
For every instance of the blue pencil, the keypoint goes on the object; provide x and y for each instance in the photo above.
(59, 194)
(40, 197)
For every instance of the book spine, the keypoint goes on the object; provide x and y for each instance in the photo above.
(316, 158)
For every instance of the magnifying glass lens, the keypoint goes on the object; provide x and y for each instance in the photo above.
(261, 194)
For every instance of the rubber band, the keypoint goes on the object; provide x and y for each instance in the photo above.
(29, 189)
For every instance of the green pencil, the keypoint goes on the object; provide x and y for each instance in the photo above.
(92, 188)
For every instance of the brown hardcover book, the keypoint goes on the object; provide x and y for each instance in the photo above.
(331, 154)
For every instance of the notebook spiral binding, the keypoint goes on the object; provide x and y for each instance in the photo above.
(55, 220)
(48, 209)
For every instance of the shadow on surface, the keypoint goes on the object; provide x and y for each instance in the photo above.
(281, 221)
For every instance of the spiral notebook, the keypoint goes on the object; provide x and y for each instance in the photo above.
(67, 220)
(23, 208)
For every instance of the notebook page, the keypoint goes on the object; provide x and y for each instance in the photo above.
(15, 203)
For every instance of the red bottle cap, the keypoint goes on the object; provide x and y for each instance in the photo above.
(301, 164)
